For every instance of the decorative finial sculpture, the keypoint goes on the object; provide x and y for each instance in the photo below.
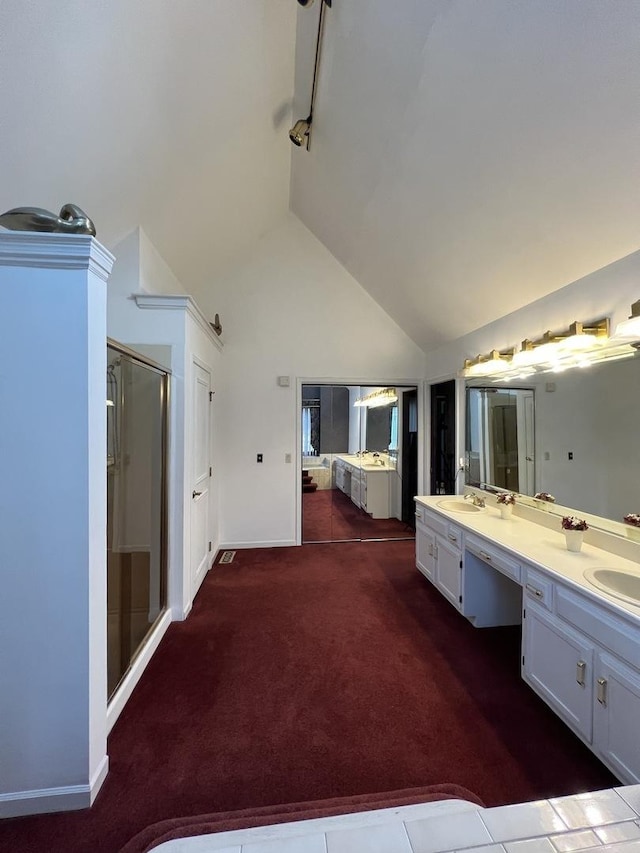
(70, 220)
(216, 325)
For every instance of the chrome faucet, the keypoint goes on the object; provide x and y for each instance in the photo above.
(477, 500)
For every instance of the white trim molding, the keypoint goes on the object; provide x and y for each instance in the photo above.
(63, 799)
(179, 302)
(122, 694)
(55, 251)
(239, 546)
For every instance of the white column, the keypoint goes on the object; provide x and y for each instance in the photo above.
(53, 681)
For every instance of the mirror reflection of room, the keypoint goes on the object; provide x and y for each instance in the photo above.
(577, 442)
(359, 458)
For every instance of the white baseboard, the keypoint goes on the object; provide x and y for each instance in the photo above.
(122, 694)
(45, 800)
(276, 543)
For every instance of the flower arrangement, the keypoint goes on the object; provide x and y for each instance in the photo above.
(572, 522)
(632, 518)
(544, 496)
(506, 498)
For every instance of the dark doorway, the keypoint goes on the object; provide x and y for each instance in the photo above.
(409, 455)
(443, 438)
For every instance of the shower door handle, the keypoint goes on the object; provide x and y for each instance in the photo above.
(195, 494)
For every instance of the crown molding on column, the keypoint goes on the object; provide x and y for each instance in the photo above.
(44, 250)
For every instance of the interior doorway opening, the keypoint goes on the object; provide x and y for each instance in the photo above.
(359, 462)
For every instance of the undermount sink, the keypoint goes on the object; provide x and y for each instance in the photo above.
(458, 506)
(620, 584)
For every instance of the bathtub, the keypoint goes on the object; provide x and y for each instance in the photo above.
(318, 467)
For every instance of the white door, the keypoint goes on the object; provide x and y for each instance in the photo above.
(200, 474)
(526, 443)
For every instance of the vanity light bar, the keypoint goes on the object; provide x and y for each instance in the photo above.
(378, 398)
(630, 328)
(553, 351)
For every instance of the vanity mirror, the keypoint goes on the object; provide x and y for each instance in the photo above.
(572, 434)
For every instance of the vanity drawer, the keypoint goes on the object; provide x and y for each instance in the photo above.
(538, 587)
(491, 555)
(609, 630)
(438, 524)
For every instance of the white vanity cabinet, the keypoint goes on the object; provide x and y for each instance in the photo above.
(439, 553)
(583, 660)
(558, 663)
(425, 549)
(374, 493)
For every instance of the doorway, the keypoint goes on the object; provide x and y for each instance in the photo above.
(359, 462)
(443, 438)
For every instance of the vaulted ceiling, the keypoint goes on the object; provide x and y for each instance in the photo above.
(468, 156)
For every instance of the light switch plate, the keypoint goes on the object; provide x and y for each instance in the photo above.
(284, 381)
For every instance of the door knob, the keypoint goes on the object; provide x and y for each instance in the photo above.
(195, 494)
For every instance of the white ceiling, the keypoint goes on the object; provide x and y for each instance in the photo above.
(169, 114)
(468, 156)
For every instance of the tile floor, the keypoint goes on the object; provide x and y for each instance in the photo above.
(598, 822)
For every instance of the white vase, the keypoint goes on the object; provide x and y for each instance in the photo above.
(633, 532)
(506, 510)
(574, 539)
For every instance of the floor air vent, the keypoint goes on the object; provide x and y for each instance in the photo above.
(227, 557)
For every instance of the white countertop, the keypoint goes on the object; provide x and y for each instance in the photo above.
(542, 547)
(366, 463)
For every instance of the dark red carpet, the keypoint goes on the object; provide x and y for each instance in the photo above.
(318, 672)
(328, 515)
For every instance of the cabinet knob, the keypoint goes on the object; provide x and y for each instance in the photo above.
(580, 670)
(452, 537)
(485, 556)
(195, 494)
(534, 591)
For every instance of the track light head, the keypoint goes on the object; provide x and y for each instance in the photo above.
(299, 133)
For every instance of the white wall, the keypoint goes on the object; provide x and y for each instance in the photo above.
(607, 292)
(140, 269)
(289, 309)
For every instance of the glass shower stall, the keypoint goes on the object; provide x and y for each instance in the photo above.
(137, 424)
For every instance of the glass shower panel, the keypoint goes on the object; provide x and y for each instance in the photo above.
(136, 547)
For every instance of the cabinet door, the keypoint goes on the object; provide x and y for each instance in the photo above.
(558, 664)
(426, 552)
(617, 714)
(355, 487)
(449, 570)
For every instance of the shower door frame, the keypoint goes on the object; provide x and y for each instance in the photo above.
(116, 700)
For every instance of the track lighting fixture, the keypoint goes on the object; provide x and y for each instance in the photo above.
(300, 133)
